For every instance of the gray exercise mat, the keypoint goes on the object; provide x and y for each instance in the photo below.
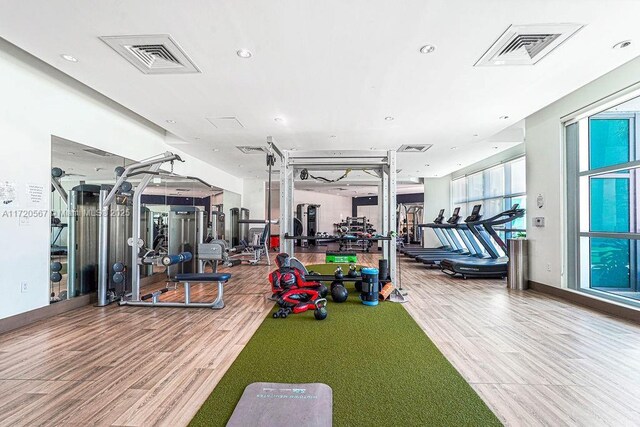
(276, 404)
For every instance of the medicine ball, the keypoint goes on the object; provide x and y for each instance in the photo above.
(358, 285)
(339, 294)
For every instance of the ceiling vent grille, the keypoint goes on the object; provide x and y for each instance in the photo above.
(246, 149)
(526, 44)
(152, 54)
(414, 148)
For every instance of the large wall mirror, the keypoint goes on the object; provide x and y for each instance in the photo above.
(177, 213)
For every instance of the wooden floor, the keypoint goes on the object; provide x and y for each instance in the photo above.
(535, 360)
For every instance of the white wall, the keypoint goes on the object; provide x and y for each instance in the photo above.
(37, 102)
(254, 198)
(545, 172)
(437, 195)
(333, 208)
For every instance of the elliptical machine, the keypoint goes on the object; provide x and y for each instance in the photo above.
(293, 293)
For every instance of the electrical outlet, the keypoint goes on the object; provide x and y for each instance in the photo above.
(24, 287)
(548, 266)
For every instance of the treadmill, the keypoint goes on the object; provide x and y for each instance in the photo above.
(484, 231)
(451, 242)
(468, 241)
(444, 243)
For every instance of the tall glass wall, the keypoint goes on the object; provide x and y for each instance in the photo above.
(497, 188)
(605, 176)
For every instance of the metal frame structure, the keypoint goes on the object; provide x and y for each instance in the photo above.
(149, 168)
(382, 163)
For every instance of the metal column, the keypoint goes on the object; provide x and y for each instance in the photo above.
(135, 232)
(286, 204)
(71, 250)
(103, 248)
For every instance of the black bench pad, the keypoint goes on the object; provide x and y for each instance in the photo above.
(203, 277)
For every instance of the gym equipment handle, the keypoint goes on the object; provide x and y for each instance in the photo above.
(168, 260)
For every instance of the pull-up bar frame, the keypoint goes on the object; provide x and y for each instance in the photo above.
(381, 162)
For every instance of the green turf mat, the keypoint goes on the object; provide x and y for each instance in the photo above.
(382, 368)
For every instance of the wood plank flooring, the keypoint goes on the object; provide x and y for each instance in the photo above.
(534, 359)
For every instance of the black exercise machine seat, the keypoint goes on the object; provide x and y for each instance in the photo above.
(203, 277)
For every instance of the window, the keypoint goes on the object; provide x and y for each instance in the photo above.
(497, 189)
(603, 173)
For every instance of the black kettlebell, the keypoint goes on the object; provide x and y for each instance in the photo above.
(339, 274)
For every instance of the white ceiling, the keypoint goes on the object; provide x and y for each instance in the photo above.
(331, 68)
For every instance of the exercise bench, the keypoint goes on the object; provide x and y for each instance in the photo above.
(186, 279)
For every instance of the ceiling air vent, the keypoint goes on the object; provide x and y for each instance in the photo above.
(414, 148)
(152, 54)
(246, 149)
(526, 44)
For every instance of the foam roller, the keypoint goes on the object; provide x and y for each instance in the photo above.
(176, 259)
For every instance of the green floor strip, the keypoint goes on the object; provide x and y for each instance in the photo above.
(382, 368)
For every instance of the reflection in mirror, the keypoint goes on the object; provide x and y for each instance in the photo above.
(181, 213)
(77, 173)
(175, 217)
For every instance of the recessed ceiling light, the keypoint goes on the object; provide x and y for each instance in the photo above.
(388, 118)
(71, 153)
(69, 58)
(428, 48)
(239, 166)
(503, 117)
(171, 121)
(332, 136)
(216, 149)
(427, 165)
(244, 53)
(197, 138)
(459, 164)
(475, 134)
(279, 119)
(495, 148)
(622, 44)
(453, 148)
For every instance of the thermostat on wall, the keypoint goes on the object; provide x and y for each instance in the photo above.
(538, 221)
